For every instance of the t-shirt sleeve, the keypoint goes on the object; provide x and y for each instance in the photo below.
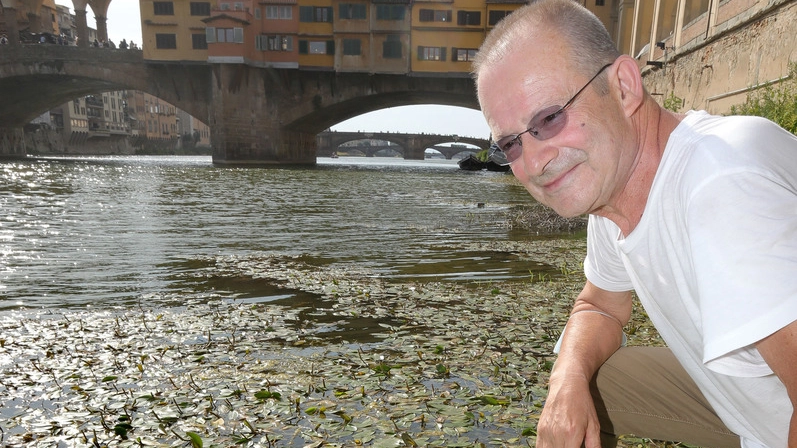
(603, 265)
(743, 233)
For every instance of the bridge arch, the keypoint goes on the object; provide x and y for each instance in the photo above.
(369, 101)
(37, 78)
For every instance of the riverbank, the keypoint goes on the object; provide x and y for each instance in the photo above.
(361, 362)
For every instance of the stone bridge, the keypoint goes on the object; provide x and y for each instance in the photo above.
(411, 146)
(256, 115)
(36, 78)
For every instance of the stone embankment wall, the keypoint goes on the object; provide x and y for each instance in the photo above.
(16, 142)
(720, 73)
(44, 141)
(12, 142)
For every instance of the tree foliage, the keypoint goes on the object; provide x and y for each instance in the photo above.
(777, 102)
(673, 103)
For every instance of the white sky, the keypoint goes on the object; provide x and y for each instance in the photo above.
(124, 22)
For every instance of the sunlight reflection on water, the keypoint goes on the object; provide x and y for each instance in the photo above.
(108, 230)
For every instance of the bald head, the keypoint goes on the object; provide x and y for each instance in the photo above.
(586, 39)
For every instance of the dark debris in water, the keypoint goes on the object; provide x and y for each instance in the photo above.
(369, 363)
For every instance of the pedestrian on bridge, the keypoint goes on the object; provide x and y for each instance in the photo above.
(695, 213)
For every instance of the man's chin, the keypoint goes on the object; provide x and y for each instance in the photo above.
(566, 211)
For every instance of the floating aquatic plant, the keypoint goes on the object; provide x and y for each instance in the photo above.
(436, 364)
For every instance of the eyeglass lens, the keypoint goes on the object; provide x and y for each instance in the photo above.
(544, 125)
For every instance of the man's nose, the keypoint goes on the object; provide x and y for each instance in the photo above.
(536, 154)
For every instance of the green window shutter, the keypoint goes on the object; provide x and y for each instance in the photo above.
(306, 14)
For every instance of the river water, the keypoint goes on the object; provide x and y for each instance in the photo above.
(102, 231)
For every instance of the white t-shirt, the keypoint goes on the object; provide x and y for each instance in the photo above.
(714, 262)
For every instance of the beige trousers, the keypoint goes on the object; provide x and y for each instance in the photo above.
(644, 391)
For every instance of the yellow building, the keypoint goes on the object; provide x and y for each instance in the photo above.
(174, 30)
(75, 121)
(372, 36)
(447, 34)
(352, 30)
(391, 22)
(316, 40)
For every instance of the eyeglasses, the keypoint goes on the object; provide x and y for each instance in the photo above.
(545, 124)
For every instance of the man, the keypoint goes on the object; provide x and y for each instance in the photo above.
(695, 213)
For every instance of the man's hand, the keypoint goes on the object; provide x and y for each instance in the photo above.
(569, 416)
(593, 334)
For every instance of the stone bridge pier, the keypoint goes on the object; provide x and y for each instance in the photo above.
(249, 119)
(416, 149)
(272, 116)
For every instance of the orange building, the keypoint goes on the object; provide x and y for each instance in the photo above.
(277, 34)
(153, 118)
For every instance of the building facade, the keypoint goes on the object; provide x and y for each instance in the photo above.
(371, 36)
(440, 37)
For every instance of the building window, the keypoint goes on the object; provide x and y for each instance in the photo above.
(600, 3)
(280, 43)
(274, 43)
(224, 6)
(317, 47)
(390, 12)
(199, 42)
(200, 8)
(497, 16)
(232, 35)
(352, 11)
(434, 15)
(279, 12)
(694, 9)
(391, 47)
(166, 41)
(351, 47)
(463, 54)
(431, 53)
(257, 13)
(163, 8)
(315, 14)
(469, 18)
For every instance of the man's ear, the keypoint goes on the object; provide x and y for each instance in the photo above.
(628, 83)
